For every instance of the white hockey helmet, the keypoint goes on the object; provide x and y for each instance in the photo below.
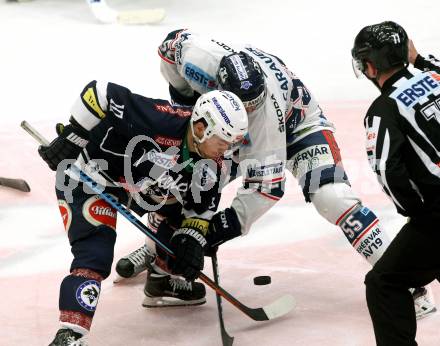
(224, 115)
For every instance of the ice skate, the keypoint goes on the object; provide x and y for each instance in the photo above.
(67, 337)
(423, 302)
(165, 290)
(133, 264)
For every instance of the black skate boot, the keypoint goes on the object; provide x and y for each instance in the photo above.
(134, 263)
(164, 290)
(67, 337)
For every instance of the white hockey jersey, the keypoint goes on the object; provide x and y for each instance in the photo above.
(190, 63)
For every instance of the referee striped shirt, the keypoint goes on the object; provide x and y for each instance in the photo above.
(403, 137)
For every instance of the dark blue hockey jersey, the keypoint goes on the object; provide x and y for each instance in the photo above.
(140, 143)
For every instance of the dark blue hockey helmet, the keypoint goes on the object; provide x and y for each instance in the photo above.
(241, 74)
(384, 44)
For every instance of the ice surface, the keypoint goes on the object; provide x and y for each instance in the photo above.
(51, 49)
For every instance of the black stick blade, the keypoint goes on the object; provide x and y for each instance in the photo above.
(17, 184)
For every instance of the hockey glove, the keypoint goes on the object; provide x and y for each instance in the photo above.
(189, 243)
(224, 226)
(71, 140)
(177, 99)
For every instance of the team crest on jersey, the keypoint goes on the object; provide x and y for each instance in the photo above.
(98, 212)
(87, 294)
(66, 213)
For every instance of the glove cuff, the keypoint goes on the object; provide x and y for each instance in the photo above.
(192, 233)
(77, 136)
(195, 228)
(179, 99)
(224, 226)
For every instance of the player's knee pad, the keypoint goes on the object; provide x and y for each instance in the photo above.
(79, 294)
(333, 200)
(338, 204)
(362, 229)
(96, 251)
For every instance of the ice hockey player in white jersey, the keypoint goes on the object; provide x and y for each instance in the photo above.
(287, 130)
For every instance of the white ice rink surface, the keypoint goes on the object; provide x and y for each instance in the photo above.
(51, 49)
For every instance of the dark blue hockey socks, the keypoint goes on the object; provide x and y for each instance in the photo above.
(79, 294)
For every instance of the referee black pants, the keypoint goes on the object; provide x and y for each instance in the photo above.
(411, 260)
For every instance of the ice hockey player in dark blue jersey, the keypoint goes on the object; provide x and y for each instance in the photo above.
(154, 157)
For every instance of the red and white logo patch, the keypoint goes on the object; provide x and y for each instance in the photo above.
(66, 213)
(99, 212)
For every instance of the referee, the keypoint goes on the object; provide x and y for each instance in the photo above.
(403, 147)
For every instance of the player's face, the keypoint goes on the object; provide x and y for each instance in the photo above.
(214, 147)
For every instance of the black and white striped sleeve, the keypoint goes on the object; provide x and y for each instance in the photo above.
(385, 142)
(427, 64)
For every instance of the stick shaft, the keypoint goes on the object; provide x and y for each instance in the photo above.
(34, 133)
(265, 313)
(227, 340)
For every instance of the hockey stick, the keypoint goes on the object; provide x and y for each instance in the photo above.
(108, 15)
(278, 308)
(17, 184)
(226, 338)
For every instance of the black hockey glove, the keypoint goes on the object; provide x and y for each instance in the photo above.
(224, 226)
(188, 243)
(177, 99)
(71, 140)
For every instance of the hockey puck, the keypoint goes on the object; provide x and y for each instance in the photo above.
(262, 280)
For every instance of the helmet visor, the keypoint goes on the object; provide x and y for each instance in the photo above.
(358, 67)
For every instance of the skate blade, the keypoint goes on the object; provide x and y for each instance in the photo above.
(426, 313)
(163, 302)
(425, 305)
(118, 278)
